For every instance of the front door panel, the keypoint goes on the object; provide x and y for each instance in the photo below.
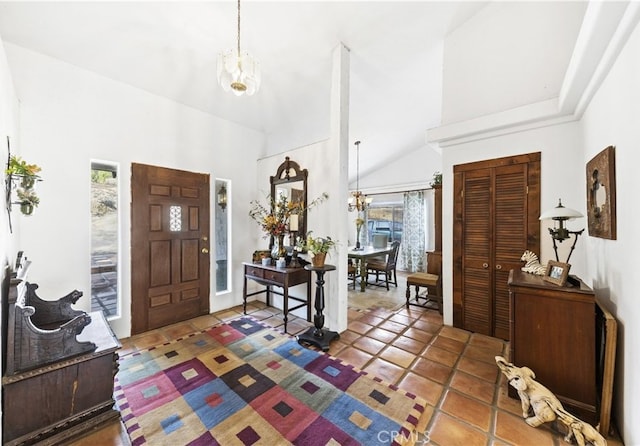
(170, 241)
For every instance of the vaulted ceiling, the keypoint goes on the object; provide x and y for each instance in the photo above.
(170, 49)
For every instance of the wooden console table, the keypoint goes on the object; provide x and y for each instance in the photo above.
(59, 401)
(271, 276)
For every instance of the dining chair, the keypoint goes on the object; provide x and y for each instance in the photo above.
(352, 271)
(386, 267)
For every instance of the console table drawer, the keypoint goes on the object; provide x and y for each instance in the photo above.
(274, 276)
(254, 271)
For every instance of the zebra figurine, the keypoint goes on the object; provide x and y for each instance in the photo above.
(533, 266)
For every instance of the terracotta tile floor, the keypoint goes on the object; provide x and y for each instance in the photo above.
(452, 369)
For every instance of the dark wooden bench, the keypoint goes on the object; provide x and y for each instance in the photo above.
(39, 332)
(59, 365)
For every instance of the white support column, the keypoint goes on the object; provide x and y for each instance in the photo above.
(337, 183)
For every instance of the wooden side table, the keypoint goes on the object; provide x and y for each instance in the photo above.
(284, 278)
(317, 335)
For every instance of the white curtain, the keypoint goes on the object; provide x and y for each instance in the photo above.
(414, 232)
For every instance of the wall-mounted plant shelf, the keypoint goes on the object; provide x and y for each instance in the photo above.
(22, 178)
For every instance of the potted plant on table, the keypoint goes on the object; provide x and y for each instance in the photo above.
(319, 247)
(274, 219)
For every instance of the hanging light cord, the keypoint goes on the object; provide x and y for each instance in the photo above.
(238, 29)
(357, 167)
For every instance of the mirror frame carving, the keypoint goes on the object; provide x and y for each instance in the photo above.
(290, 172)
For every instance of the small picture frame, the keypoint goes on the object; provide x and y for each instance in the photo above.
(557, 272)
(260, 254)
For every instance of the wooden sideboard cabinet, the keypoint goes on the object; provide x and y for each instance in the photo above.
(58, 401)
(553, 332)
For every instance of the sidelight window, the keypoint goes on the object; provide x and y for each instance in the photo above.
(223, 235)
(104, 239)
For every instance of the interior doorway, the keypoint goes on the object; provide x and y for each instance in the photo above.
(169, 246)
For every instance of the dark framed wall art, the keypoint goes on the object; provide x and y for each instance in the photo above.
(601, 194)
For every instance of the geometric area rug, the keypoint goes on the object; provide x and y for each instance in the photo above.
(243, 382)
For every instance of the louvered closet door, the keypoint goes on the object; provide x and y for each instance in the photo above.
(510, 237)
(477, 251)
(496, 210)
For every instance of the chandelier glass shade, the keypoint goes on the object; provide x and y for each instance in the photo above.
(358, 201)
(238, 71)
(238, 74)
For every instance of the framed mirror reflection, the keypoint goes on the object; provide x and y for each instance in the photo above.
(290, 182)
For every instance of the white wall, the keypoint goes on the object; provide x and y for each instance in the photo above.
(327, 163)
(612, 119)
(562, 177)
(9, 109)
(69, 116)
(9, 124)
(321, 174)
(509, 54)
(407, 172)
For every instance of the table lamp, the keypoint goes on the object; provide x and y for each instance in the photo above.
(559, 232)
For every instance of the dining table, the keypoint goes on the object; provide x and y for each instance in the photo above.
(362, 255)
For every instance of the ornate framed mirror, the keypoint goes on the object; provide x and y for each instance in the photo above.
(291, 181)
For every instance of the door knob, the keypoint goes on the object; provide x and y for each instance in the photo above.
(205, 238)
(205, 251)
(498, 266)
(485, 265)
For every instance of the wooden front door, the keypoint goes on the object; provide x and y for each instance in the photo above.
(496, 210)
(169, 246)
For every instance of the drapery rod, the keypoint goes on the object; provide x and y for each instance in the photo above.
(397, 192)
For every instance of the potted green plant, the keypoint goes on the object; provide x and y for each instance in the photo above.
(28, 200)
(319, 247)
(28, 173)
(25, 176)
(436, 180)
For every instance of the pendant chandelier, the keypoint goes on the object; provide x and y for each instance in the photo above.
(358, 200)
(238, 71)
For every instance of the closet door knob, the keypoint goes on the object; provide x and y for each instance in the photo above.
(485, 265)
(498, 266)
